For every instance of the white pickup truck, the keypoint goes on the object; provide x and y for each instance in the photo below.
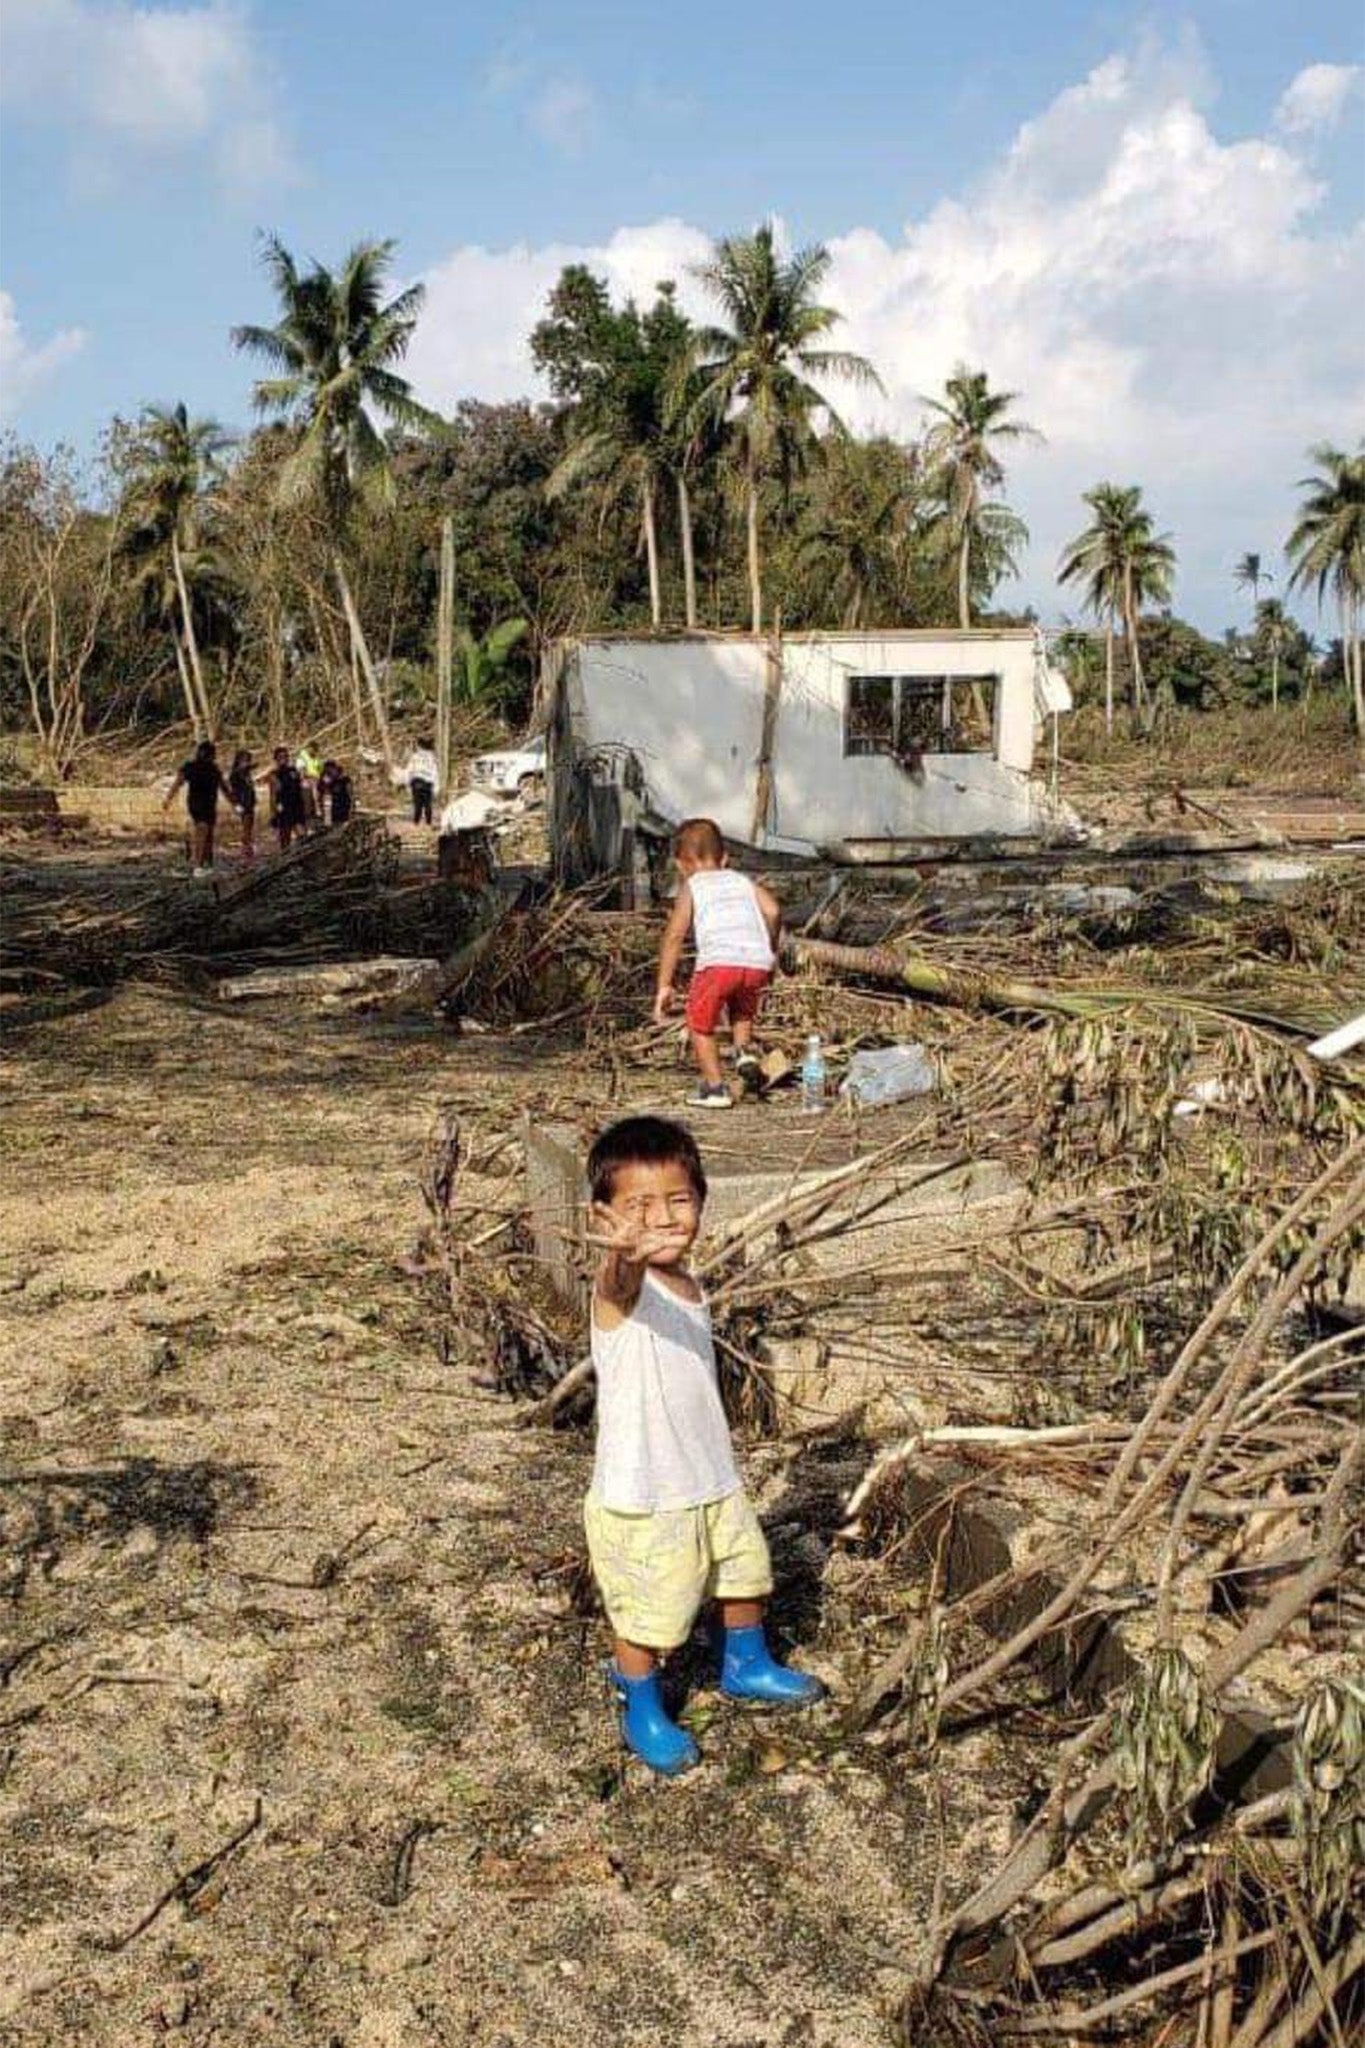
(518, 772)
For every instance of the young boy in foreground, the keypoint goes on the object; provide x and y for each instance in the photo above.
(667, 1519)
(736, 924)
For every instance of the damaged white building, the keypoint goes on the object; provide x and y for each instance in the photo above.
(862, 747)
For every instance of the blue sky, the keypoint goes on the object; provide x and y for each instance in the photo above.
(1151, 221)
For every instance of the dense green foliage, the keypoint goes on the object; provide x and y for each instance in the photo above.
(677, 476)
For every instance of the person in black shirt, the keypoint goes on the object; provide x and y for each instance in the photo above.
(202, 780)
(334, 790)
(288, 810)
(242, 789)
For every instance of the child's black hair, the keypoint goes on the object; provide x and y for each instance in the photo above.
(643, 1141)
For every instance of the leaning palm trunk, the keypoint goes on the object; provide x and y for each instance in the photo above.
(362, 653)
(755, 582)
(964, 572)
(965, 991)
(1109, 677)
(191, 705)
(688, 560)
(202, 718)
(652, 553)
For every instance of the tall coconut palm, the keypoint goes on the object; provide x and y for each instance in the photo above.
(1272, 627)
(971, 421)
(1122, 565)
(756, 372)
(171, 464)
(1327, 549)
(333, 349)
(1249, 574)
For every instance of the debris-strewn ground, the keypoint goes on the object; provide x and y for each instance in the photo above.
(261, 1546)
(303, 1732)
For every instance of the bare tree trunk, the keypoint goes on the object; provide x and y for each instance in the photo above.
(357, 698)
(755, 580)
(1134, 652)
(445, 652)
(362, 652)
(186, 685)
(689, 563)
(964, 573)
(1351, 655)
(275, 678)
(763, 781)
(652, 554)
(1109, 676)
(203, 721)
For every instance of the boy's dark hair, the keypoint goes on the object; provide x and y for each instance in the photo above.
(698, 839)
(643, 1141)
(205, 750)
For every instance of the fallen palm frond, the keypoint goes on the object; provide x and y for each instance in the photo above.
(1155, 1741)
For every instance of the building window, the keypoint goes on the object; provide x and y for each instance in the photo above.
(908, 717)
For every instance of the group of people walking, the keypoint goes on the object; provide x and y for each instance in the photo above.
(305, 793)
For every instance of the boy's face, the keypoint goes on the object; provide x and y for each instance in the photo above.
(659, 1199)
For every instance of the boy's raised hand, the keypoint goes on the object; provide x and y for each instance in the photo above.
(629, 1240)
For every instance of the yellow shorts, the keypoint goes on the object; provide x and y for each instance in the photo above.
(654, 1570)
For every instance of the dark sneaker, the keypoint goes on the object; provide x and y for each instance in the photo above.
(705, 1096)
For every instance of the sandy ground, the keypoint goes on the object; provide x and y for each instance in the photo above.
(269, 1567)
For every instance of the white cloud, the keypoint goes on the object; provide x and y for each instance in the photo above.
(564, 114)
(1316, 98)
(472, 341)
(1163, 300)
(146, 81)
(25, 368)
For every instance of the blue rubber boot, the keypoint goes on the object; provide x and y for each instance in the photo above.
(749, 1671)
(646, 1728)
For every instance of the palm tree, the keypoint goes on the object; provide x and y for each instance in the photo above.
(971, 420)
(1123, 565)
(1272, 624)
(755, 373)
(853, 533)
(1327, 548)
(1249, 574)
(334, 348)
(172, 462)
(621, 371)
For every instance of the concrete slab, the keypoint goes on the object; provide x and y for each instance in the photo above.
(895, 1214)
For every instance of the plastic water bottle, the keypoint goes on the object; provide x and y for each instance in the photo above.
(813, 1077)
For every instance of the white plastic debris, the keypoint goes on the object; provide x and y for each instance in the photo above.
(890, 1074)
(1344, 1039)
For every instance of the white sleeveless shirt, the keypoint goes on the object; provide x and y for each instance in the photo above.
(727, 922)
(662, 1438)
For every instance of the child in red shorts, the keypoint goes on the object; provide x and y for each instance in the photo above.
(735, 923)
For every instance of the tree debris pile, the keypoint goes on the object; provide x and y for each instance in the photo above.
(1154, 1351)
(335, 895)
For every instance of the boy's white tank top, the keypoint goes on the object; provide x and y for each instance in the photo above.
(727, 923)
(662, 1438)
